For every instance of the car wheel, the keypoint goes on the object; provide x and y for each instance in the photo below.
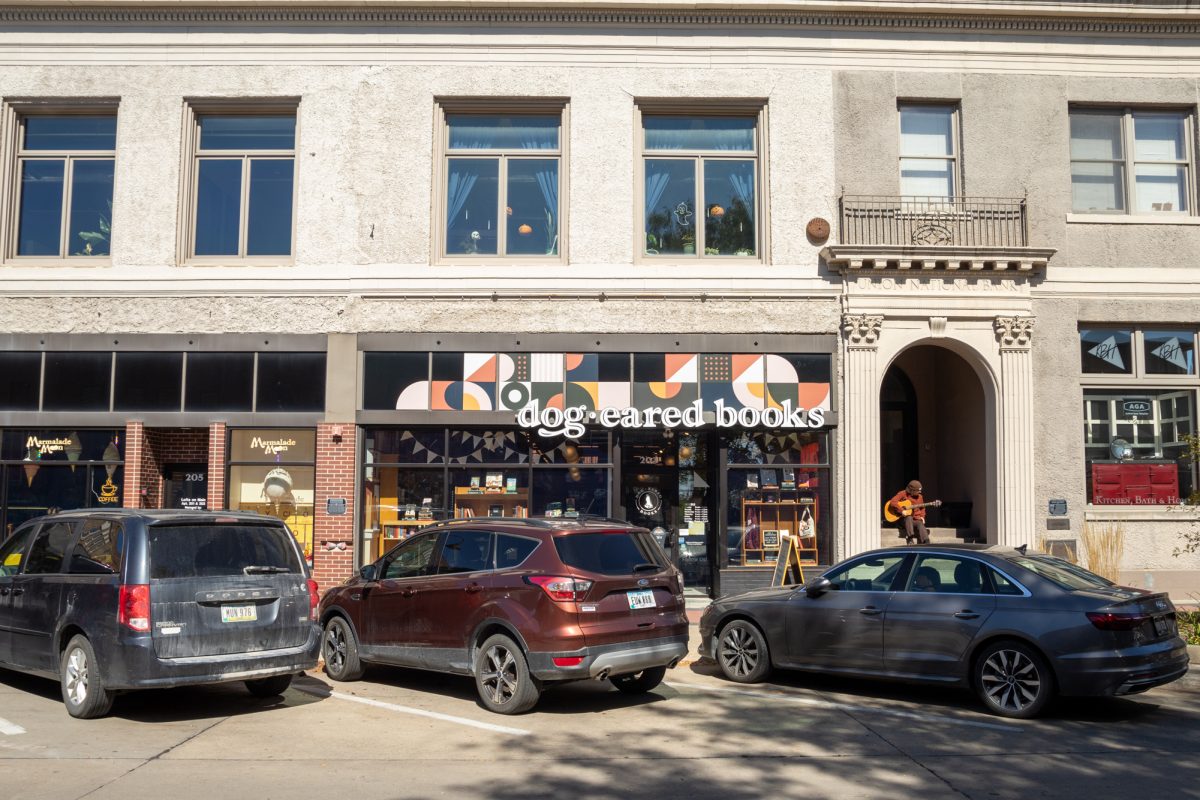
(639, 682)
(340, 651)
(1013, 680)
(742, 652)
(83, 691)
(502, 677)
(269, 687)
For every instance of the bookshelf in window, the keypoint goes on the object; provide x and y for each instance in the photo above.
(470, 502)
(770, 514)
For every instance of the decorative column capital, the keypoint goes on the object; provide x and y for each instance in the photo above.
(861, 330)
(1014, 333)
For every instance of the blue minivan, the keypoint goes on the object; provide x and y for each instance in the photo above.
(107, 601)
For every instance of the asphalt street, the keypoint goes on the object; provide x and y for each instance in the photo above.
(406, 734)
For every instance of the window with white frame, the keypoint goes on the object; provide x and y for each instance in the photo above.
(701, 175)
(929, 151)
(241, 197)
(501, 181)
(1140, 390)
(64, 185)
(1130, 161)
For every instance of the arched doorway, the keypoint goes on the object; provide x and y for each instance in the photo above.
(933, 427)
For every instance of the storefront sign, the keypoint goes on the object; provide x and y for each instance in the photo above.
(1136, 408)
(44, 447)
(649, 501)
(272, 447)
(108, 492)
(572, 421)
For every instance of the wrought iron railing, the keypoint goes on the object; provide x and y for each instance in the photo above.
(933, 221)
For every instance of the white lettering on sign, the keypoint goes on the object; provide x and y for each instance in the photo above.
(1108, 351)
(572, 422)
(272, 447)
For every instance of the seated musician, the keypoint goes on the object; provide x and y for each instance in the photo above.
(908, 505)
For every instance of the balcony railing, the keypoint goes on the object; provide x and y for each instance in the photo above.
(933, 221)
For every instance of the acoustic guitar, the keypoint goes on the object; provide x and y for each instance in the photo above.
(906, 509)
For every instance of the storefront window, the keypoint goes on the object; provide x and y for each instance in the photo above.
(570, 492)
(764, 447)
(591, 448)
(1133, 440)
(768, 503)
(272, 472)
(492, 492)
(482, 446)
(1106, 351)
(59, 469)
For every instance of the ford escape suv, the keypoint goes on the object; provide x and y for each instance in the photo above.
(515, 603)
(107, 601)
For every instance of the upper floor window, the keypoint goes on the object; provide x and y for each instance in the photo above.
(500, 190)
(1116, 153)
(242, 191)
(929, 151)
(701, 177)
(64, 177)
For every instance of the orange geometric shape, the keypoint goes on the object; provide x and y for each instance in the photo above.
(677, 361)
(813, 395)
(573, 360)
(741, 363)
(665, 390)
(437, 401)
(486, 372)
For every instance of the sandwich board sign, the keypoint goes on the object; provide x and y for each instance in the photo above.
(787, 565)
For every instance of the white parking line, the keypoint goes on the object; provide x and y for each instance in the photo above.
(418, 712)
(10, 728)
(808, 701)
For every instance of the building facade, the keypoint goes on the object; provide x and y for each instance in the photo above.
(733, 273)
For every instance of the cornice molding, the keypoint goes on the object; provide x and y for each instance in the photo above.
(717, 18)
(865, 258)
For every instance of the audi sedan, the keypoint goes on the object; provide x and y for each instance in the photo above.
(1018, 628)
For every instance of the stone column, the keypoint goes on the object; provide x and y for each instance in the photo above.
(860, 432)
(1016, 502)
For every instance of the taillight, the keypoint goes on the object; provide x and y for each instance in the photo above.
(567, 661)
(564, 590)
(314, 599)
(1108, 621)
(133, 607)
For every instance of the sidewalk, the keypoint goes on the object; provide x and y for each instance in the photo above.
(695, 607)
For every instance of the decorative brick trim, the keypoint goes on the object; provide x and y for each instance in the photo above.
(217, 459)
(335, 478)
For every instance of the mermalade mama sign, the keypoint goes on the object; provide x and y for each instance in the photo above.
(573, 420)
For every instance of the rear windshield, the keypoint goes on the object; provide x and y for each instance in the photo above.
(615, 553)
(1065, 574)
(187, 551)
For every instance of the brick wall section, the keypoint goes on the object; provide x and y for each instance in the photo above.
(334, 478)
(217, 458)
(135, 454)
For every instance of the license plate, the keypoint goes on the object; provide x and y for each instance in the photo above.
(1162, 626)
(643, 599)
(239, 613)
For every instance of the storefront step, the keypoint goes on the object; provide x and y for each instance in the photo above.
(888, 536)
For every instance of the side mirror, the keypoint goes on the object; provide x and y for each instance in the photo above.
(368, 573)
(818, 586)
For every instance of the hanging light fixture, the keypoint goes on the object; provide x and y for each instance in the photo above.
(31, 466)
(73, 449)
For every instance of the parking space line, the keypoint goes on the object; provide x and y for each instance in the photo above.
(10, 728)
(419, 712)
(808, 701)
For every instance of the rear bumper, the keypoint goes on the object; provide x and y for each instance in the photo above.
(1122, 672)
(134, 665)
(610, 659)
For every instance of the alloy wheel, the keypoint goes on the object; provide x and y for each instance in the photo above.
(739, 652)
(1011, 680)
(335, 648)
(500, 678)
(77, 676)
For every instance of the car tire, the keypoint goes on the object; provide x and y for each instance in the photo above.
(339, 648)
(639, 682)
(742, 652)
(83, 690)
(269, 687)
(1013, 680)
(502, 677)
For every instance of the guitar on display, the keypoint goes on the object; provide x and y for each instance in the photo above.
(907, 507)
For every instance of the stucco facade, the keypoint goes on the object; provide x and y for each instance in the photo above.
(368, 77)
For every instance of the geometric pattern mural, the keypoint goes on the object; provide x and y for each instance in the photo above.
(510, 381)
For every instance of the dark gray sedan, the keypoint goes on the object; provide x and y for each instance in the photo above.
(1016, 627)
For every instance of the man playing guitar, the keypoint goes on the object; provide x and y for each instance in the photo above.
(907, 510)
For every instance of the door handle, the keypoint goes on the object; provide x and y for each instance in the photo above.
(472, 588)
(967, 613)
(870, 611)
(407, 592)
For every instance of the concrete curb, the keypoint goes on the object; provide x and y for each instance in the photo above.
(1194, 654)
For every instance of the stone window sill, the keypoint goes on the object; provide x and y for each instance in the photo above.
(1133, 219)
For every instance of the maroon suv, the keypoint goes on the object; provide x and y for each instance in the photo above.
(517, 603)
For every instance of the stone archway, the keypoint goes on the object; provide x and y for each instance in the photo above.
(997, 351)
